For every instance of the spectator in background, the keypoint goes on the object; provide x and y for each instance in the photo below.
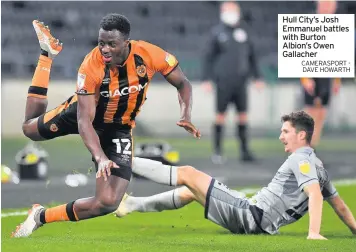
(317, 91)
(229, 60)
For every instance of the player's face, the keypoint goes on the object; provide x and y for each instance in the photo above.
(112, 46)
(290, 138)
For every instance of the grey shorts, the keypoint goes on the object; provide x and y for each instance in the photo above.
(228, 209)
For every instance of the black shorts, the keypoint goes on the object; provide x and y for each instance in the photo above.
(116, 140)
(235, 93)
(60, 121)
(322, 90)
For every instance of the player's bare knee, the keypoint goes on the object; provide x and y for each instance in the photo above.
(28, 131)
(242, 118)
(109, 201)
(220, 119)
(185, 173)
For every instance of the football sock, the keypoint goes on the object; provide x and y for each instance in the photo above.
(164, 201)
(218, 131)
(241, 134)
(59, 213)
(155, 171)
(40, 78)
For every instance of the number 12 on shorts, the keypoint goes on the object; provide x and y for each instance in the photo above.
(123, 145)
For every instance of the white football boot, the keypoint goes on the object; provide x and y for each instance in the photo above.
(29, 225)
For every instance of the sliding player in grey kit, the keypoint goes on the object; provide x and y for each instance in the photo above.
(299, 186)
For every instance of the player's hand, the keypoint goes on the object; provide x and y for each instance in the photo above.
(188, 126)
(207, 86)
(104, 167)
(314, 236)
(309, 86)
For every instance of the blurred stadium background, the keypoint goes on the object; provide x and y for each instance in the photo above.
(182, 29)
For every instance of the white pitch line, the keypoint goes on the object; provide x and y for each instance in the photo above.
(342, 182)
(16, 213)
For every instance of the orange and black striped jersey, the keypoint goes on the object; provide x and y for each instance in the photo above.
(121, 91)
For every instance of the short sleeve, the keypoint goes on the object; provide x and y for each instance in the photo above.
(304, 170)
(161, 60)
(87, 79)
(329, 191)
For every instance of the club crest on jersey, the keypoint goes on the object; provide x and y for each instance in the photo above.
(170, 59)
(304, 166)
(141, 70)
(53, 127)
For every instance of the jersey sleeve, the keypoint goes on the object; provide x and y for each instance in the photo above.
(161, 60)
(329, 191)
(87, 79)
(303, 170)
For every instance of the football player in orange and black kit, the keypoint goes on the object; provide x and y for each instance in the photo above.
(111, 88)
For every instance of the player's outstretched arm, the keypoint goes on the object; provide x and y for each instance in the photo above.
(344, 213)
(315, 210)
(178, 79)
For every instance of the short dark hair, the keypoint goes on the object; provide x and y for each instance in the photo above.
(301, 121)
(114, 21)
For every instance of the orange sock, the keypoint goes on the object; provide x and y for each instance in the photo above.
(40, 78)
(59, 213)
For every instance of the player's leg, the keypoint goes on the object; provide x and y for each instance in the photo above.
(118, 148)
(324, 88)
(221, 102)
(169, 200)
(227, 208)
(108, 193)
(241, 131)
(319, 125)
(316, 107)
(309, 104)
(107, 198)
(36, 103)
(319, 115)
(197, 181)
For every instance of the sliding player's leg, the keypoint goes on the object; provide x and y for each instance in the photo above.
(169, 200)
(198, 182)
(223, 206)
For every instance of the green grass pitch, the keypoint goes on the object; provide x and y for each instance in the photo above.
(180, 230)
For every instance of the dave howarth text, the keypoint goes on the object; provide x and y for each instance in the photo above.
(326, 69)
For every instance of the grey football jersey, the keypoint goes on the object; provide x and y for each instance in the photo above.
(283, 200)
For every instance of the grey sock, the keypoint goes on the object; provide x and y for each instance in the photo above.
(155, 171)
(164, 201)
